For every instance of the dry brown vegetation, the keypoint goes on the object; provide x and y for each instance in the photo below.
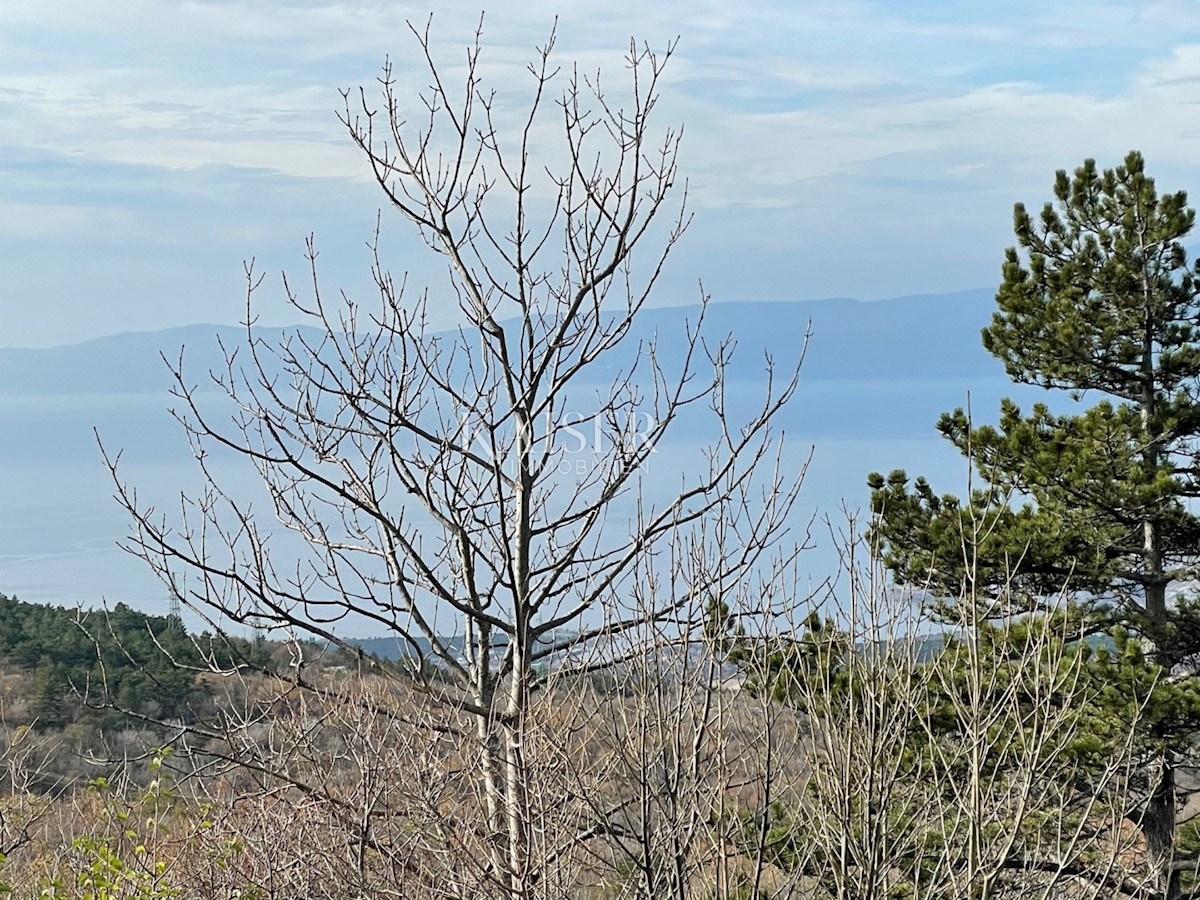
(657, 781)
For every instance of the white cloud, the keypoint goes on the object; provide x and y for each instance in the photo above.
(817, 115)
(1180, 69)
(818, 70)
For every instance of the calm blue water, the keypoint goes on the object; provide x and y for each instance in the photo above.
(59, 525)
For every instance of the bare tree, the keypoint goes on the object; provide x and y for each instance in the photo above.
(426, 474)
(943, 759)
(700, 770)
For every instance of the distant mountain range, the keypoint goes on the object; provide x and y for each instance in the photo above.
(924, 336)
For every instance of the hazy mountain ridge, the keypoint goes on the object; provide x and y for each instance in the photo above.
(915, 337)
(128, 363)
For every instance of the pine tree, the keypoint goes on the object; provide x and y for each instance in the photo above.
(1090, 512)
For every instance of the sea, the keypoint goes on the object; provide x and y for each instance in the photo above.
(62, 533)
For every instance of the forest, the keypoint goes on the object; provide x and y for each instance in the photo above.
(601, 693)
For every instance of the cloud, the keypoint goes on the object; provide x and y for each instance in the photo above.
(767, 73)
(808, 125)
(1180, 69)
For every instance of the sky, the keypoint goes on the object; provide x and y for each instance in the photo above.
(837, 149)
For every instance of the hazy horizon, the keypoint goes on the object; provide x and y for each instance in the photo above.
(867, 400)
